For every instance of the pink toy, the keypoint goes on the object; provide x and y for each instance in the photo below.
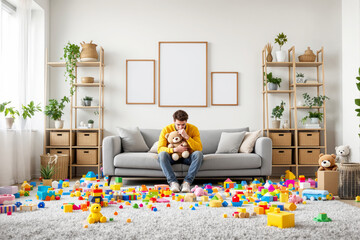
(162, 200)
(7, 199)
(295, 199)
(198, 191)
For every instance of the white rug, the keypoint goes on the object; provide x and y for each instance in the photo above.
(173, 223)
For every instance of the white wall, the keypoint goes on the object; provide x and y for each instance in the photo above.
(236, 31)
(350, 70)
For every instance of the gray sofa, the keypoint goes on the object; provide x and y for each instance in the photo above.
(145, 164)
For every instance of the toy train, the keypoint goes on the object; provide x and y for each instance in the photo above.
(313, 194)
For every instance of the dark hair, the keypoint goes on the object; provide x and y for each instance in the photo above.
(180, 115)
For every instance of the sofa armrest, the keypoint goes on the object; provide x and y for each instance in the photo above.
(111, 148)
(263, 147)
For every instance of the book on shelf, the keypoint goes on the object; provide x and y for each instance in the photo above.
(312, 125)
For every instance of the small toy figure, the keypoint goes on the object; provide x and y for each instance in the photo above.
(342, 154)
(327, 162)
(95, 215)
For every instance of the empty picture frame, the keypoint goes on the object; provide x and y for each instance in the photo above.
(182, 74)
(224, 88)
(140, 81)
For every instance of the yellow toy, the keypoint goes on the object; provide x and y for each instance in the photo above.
(281, 219)
(357, 199)
(95, 215)
(289, 175)
(215, 203)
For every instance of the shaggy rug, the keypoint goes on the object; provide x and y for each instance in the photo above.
(174, 223)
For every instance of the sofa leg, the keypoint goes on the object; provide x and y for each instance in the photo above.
(109, 180)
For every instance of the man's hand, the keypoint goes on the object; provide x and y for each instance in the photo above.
(183, 133)
(180, 149)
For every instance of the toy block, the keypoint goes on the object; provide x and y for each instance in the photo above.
(281, 219)
(284, 197)
(357, 199)
(7, 199)
(28, 207)
(322, 217)
(180, 208)
(215, 203)
(68, 208)
(8, 208)
(225, 215)
(304, 185)
(118, 179)
(204, 198)
(290, 206)
(259, 210)
(128, 220)
(236, 215)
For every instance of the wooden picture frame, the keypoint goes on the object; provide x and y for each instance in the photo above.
(224, 89)
(183, 68)
(140, 81)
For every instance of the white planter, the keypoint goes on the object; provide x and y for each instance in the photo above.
(276, 124)
(90, 125)
(314, 120)
(280, 56)
(9, 121)
(272, 86)
(59, 124)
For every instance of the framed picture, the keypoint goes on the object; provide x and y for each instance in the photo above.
(224, 88)
(140, 81)
(182, 74)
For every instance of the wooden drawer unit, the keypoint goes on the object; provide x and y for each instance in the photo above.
(86, 156)
(280, 138)
(62, 151)
(309, 156)
(281, 156)
(309, 138)
(61, 138)
(87, 139)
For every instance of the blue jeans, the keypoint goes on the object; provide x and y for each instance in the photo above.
(194, 160)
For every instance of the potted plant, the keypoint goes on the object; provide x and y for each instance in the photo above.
(314, 101)
(273, 82)
(315, 117)
(11, 111)
(55, 111)
(29, 111)
(357, 100)
(281, 40)
(300, 78)
(87, 101)
(277, 113)
(91, 123)
(71, 55)
(46, 173)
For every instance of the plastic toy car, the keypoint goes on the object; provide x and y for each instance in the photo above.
(313, 194)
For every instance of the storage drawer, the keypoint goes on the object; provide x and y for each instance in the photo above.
(62, 151)
(309, 138)
(281, 156)
(309, 156)
(280, 139)
(87, 139)
(61, 138)
(86, 156)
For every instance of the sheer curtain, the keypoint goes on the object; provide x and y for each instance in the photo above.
(21, 81)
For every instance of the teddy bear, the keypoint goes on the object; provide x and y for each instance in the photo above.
(342, 154)
(175, 139)
(327, 162)
(198, 191)
(95, 215)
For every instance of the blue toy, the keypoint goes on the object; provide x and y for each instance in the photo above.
(314, 194)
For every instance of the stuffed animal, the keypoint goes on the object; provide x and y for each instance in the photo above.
(295, 199)
(327, 162)
(342, 154)
(198, 191)
(95, 215)
(175, 139)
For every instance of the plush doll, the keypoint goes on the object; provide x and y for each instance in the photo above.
(175, 139)
(198, 191)
(327, 162)
(95, 215)
(342, 154)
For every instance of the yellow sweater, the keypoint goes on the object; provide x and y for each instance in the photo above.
(193, 141)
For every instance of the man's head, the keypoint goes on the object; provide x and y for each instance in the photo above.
(180, 119)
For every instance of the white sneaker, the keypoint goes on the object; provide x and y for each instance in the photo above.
(185, 187)
(175, 187)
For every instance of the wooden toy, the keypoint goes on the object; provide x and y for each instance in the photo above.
(190, 197)
(204, 199)
(28, 207)
(280, 219)
(8, 208)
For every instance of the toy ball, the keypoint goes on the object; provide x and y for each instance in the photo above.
(224, 215)
(128, 220)
(180, 208)
(41, 205)
(115, 213)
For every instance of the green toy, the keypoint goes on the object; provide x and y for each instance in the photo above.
(322, 217)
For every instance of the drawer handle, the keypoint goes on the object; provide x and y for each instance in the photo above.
(59, 152)
(281, 151)
(86, 134)
(59, 134)
(309, 134)
(281, 135)
(309, 151)
(86, 151)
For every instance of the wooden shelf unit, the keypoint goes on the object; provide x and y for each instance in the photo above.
(74, 114)
(294, 129)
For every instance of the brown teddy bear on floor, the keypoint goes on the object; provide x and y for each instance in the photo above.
(327, 162)
(175, 139)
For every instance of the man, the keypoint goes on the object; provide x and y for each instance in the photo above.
(191, 134)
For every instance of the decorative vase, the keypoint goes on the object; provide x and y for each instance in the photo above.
(269, 57)
(9, 121)
(275, 124)
(301, 80)
(87, 103)
(90, 125)
(47, 182)
(308, 56)
(286, 124)
(88, 52)
(280, 56)
(314, 120)
(59, 124)
(272, 86)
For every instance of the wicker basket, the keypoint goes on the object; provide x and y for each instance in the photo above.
(349, 181)
(309, 56)
(61, 165)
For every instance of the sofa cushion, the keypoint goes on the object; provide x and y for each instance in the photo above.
(230, 142)
(140, 161)
(248, 144)
(132, 140)
(210, 138)
(150, 136)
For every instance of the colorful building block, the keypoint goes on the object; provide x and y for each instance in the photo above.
(8, 208)
(281, 219)
(7, 199)
(68, 208)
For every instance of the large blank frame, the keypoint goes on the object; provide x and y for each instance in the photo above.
(224, 88)
(182, 74)
(140, 81)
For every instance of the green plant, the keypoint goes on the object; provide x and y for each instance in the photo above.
(30, 109)
(91, 121)
(300, 75)
(71, 54)
(47, 172)
(281, 39)
(55, 109)
(8, 110)
(271, 79)
(357, 100)
(314, 101)
(318, 115)
(87, 98)
(277, 111)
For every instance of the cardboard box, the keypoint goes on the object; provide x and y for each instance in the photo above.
(87, 139)
(86, 156)
(309, 138)
(61, 138)
(280, 138)
(281, 156)
(328, 180)
(309, 156)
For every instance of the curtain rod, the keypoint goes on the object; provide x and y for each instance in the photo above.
(8, 6)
